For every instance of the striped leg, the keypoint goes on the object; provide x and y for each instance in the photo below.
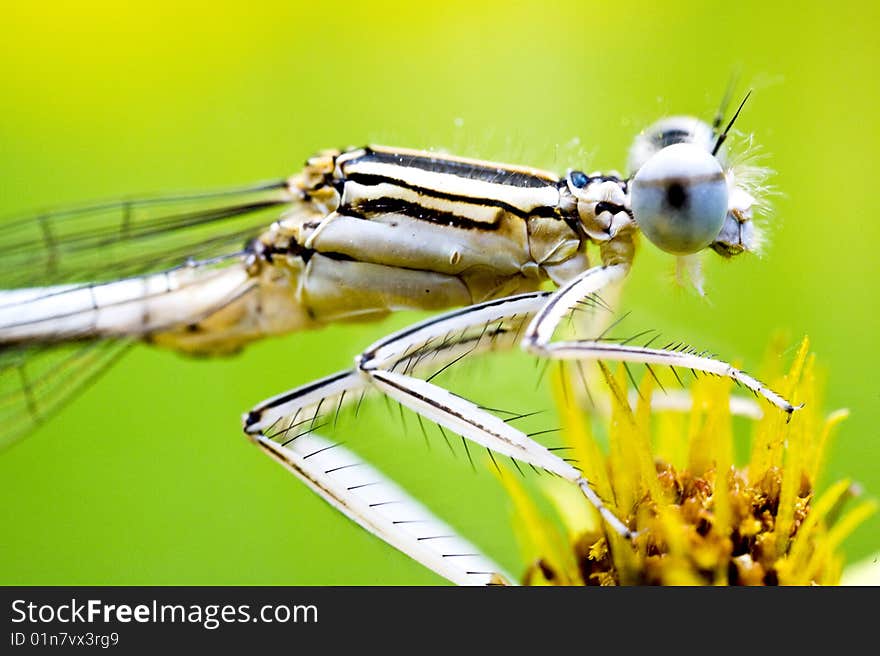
(285, 427)
(390, 366)
(432, 344)
(540, 332)
(378, 363)
(376, 504)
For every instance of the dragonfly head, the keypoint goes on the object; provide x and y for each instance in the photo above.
(684, 195)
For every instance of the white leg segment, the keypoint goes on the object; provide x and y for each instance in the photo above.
(375, 503)
(540, 332)
(458, 414)
(564, 300)
(488, 326)
(594, 350)
(285, 416)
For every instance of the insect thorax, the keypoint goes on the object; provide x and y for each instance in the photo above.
(462, 230)
(467, 213)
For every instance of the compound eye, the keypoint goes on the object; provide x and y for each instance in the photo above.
(679, 198)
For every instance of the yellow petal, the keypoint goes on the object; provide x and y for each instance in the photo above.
(539, 538)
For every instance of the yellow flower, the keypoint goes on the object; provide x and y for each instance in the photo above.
(699, 518)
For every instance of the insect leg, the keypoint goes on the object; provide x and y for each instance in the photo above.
(283, 417)
(464, 417)
(285, 426)
(381, 507)
(598, 350)
(540, 331)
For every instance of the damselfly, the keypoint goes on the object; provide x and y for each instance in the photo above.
(358, 234)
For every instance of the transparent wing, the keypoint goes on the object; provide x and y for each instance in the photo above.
(71, 251)
(36, 381)
(124, 238)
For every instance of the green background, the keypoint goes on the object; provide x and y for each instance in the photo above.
(146, 479)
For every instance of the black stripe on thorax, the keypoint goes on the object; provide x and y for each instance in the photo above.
(370, 179)
(367, 209)
(293, 249)
(469, 170)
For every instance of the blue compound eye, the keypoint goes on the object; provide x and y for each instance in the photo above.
(679, 198)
